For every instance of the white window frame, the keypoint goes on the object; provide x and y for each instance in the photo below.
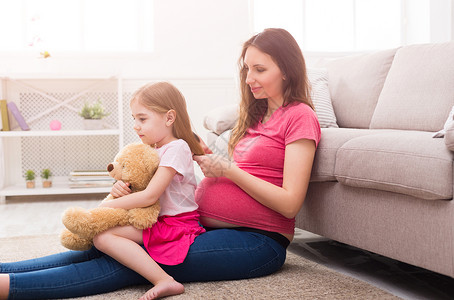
(145, 47)
(437, 26)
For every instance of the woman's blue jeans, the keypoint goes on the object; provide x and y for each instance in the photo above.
(222, 254)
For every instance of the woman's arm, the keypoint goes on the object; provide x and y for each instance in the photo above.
(299, 157)
(159, 182)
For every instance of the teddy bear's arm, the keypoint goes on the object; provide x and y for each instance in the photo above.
(143, 218)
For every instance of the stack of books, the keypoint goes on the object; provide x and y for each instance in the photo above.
(90, 179)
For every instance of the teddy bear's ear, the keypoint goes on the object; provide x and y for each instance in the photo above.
(119, 154)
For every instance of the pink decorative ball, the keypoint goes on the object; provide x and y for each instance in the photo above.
(55, 125)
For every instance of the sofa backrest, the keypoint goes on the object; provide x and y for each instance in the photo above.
(355, 83)
(418, 93)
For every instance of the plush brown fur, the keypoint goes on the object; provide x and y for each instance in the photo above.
(136, 163)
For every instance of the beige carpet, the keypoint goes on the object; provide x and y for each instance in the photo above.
(298, 279)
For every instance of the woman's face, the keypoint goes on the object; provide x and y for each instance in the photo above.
(263, 76)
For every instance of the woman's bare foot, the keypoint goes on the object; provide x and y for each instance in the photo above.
(167, 287)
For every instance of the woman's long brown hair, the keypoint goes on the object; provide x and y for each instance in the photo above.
(284, 50)
(162, 97)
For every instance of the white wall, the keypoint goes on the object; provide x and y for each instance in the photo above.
(428, 21)
(202, 39)
(193, 38)
(441, 21)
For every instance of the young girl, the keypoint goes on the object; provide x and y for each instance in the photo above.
(161, 121)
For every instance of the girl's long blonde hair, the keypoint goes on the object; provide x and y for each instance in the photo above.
(284, 50)
(162, 97)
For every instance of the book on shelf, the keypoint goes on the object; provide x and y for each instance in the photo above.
(90, 184)
(90, 179)
(89, 173)
(4, 115)
(15, 112)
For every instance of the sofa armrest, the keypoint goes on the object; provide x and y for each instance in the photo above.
(221, 119)
(211, 139)
(449, 137)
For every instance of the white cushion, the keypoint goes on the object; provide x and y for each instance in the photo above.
(221, 119)
(321, 97)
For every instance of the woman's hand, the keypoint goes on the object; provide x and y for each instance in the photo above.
(213, 165)
(120, 189)
(202, 143)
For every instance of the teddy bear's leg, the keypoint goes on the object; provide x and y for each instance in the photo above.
(74, 242)
(77, 220)
(88, 223)
(142, 218)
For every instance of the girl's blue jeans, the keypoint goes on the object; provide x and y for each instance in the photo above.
(222, 254)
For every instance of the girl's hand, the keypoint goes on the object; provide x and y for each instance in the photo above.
(120, 189)
(213, 165)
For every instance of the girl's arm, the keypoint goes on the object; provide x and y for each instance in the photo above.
(288, 199)
(159, 182)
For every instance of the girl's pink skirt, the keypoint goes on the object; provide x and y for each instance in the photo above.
(169, 239)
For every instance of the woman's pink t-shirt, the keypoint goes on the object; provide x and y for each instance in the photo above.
(260, 152)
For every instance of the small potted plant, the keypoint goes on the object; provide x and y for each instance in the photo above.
(30, 178)
(93, 114)
(46, 176)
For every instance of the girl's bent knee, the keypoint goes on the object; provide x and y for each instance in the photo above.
(101, 240)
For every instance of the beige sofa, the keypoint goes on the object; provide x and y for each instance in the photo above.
(381, 181)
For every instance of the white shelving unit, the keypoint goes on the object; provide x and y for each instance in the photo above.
(60, 186)
(38, 133)
(42, 100)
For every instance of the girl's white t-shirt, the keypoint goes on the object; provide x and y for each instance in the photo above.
(178, 197)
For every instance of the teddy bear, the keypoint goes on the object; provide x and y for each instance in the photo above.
(136, 163)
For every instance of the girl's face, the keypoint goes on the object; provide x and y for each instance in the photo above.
(264, 76)
(152, 127)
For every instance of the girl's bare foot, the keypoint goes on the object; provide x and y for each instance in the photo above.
(167, 287)
(4, 286)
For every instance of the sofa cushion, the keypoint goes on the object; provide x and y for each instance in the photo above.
(321, 97)
(211, 139)
(221, 146)
(325, 157)
(355, 82)
(419, 92)
(407, 162)
(221, 118)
